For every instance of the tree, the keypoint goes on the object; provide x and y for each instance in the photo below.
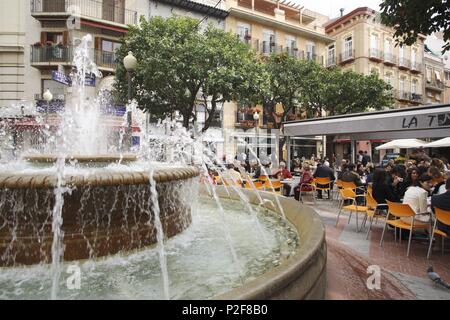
(180, 64)
(413, 17)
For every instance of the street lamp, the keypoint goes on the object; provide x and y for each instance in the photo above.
(48, 96)
(130, 64)
(256, 118)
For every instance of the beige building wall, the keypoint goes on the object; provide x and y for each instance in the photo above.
(266, 17)
(374, 50)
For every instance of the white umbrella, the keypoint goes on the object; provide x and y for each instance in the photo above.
(439, 143)
(402, 144)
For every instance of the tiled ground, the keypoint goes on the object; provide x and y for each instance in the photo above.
(349, 255)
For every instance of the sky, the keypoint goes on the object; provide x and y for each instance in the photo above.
(331, 7)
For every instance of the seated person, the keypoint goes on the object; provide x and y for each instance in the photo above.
(442, 201)
(416, 197)
(381, 191)
(438, 178)
(324, 171)
(232, 174)
(305, 181)
(282, 173)
(352, 176)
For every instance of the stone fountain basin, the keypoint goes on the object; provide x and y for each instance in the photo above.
(303, 275)
(105, 212)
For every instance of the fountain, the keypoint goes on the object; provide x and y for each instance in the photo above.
(138, 228)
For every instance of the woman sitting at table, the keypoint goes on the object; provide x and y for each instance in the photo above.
(381, 189)
(282, 173)
(305, 181)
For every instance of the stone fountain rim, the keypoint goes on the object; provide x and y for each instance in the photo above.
(50, 158)
(303, 275)
(105, 178)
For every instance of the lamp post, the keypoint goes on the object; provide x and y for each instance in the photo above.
(130, 64)
(48, 96)
(256, 118)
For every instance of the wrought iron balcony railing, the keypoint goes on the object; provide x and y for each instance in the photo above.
(103, 10)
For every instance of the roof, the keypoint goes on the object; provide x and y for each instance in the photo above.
(339, 20)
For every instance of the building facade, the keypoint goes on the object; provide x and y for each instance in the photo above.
(271, 27)
(364, 45)
(434, 84)
(48, 30)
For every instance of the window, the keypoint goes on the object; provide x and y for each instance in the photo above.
(387, 46)
(401, 52)
(291, 44)
(428, 75)
(243, 32)
(438, 75)
(414, 87)
(375, 71)
(374, 41)
(447, 76)
(388, 78)
(268, 41)
(413, 57)
(348, 47)
(331, 55)
(401, 85)
(110, 46)
(310, 51)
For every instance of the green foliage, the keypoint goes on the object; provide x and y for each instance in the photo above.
(180, 64)
(413, 17)
(314, 90)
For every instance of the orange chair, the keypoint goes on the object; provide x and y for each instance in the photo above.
(349, 194)
(373, 211)
(263, 178)
(274, 186)
(400, 210)
(323, 182)
(309, 186)
(442, 216)
(257, 185)
(338, 185)
(369, 189)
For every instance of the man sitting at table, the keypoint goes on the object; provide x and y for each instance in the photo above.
(324, 171)
(442, 201)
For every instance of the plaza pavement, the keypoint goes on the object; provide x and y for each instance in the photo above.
(349, 255)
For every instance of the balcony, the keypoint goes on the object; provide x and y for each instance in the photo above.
(404, 64)
(389, 59)
(375, 55)
(435, 85)
(44, 57)
(90, 9)
(347, 56)
(416, 67)
(406, 96)
(291, 51)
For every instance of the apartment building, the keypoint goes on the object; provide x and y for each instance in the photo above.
(364, 45)
(435, 43)
(46, 32)
(271, 27)
(434, 84)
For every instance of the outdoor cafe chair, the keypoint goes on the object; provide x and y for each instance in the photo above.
(400, 210)
(274, 186)
(349, 194)
(308, 186)
(326, 185)
(373, 211)
(443, 217)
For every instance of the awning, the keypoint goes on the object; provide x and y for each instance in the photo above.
(439, 143)
(407, 123)
(402, 144)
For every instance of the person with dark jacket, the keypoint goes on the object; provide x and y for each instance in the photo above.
(381, 188)
(352, 176)
(442, 201)
(324, 171)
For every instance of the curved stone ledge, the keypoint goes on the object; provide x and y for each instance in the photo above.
(104, 178)
(49, 158)
(302, 276)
